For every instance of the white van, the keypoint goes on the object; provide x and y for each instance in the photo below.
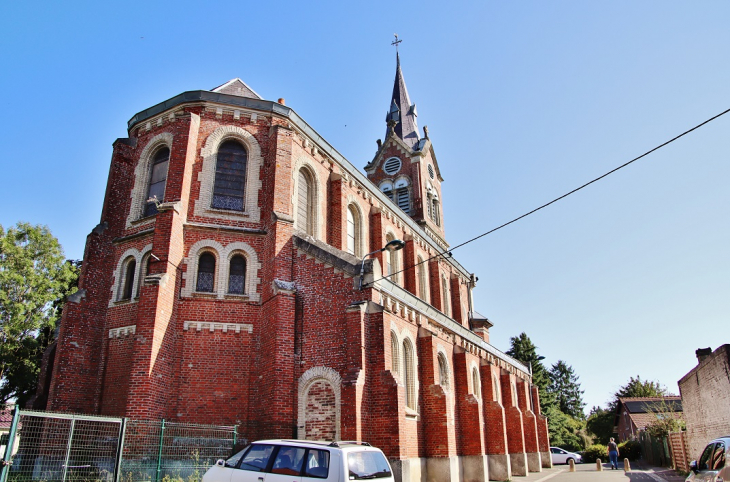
(302, 461)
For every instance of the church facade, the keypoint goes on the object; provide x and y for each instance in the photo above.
(244, 272)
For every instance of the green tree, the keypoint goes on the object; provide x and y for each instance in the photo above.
(600, 424)
(636, 387)
(522, 349)
(565, 389)
(34, 276)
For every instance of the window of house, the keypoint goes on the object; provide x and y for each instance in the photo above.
(354, 231)
(476, 383)
(443, 371)
(394, 353)
(305, 202)
(409, 375)
(422, 287)
(130, 266)
(237, 275)
(158, 179)
(230, 176)
(206, 273)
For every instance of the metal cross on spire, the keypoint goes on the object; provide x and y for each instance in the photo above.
(396, 42)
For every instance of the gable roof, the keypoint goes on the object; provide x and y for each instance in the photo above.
(237, 87)
(652, 404)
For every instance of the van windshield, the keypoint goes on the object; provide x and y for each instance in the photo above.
(367, 465)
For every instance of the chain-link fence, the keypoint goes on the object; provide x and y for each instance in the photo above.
(53, 447)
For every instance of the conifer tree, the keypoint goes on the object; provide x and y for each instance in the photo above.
(565, 388)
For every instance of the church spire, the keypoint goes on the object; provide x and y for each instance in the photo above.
(401, 111)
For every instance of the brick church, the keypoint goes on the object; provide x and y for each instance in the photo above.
(244, 272)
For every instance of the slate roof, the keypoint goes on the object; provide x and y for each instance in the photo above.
(641, 410)
(407, 128)
(237, 87)
(6, 416)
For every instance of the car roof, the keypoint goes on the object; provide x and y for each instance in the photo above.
(318, 443)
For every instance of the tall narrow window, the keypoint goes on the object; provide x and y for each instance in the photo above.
(497, 390)
(391, 261)
(237, 275)
(158, 179)
(422, 279)
(144, 270)
(446, 296)
(394, 353)
(305, 202)
(409, 375)
(354, 229)
(206, 273)
(230, 176)
(128, 285)
(403, 199)
(443, 371)
(436, 215)
(476, 382)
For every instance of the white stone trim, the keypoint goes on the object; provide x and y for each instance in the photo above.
(307, 379)
(476, 391)
(206, 177)
(141, 178)
(211, 326)
(222, 258)
(319, 209)
(120, 275)
(122, 331)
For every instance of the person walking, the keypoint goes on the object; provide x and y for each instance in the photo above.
(613, 454)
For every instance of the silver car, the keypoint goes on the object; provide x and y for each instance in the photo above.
(713, 464)
(561, 456)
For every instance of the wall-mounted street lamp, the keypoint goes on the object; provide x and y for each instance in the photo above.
(395, 245)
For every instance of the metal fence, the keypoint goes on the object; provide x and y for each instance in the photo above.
(50, 447)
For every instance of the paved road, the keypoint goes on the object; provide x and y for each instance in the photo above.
(588, 473)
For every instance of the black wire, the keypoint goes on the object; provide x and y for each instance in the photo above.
(448, 252)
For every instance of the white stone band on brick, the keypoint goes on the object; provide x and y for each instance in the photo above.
(213, 326)
(123, 331)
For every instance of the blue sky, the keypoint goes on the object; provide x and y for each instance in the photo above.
(524, 101)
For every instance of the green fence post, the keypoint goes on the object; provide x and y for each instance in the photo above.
(159, 455)
(120, 450)
(235, 438)
(11, 442)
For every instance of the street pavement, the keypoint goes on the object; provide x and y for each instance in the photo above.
(588, 473)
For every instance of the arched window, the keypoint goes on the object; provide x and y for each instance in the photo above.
(443, 371)
(497, 390)
(305, 202)
(402, 195)
(206, 273)
(144, 270)
(387, 188)
(354, 231)
(446, 296)
(394, 353)
(158, 179)
(237, 275)
(476, 383)
(130, 266)
(409, 375)
(422, 286)
(230, 176)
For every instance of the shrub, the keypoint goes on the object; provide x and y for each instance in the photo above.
(631, 449)
(594, 452)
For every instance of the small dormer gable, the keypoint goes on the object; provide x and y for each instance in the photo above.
(237, 87)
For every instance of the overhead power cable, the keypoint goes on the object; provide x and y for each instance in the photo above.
(447, 253)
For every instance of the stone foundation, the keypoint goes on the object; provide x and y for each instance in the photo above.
(442, 469)
(546, 460)
(499, 467)
(474, 468)
(533, 462)
(518, 464)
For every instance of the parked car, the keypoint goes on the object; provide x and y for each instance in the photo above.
(713, 464)
(560, 456)
(279, 460)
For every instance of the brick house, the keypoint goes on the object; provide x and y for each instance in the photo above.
(237, 277)
(634, 414)
(705, 392)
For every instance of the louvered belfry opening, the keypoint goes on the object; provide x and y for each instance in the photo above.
(230, 176)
